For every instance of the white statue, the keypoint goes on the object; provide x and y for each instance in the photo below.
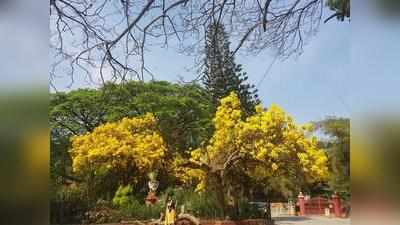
(153, 185)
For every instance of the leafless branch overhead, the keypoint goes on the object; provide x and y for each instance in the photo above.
(110, 38)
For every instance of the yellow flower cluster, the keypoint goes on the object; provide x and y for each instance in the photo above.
(272, 137)
(131, 142)
(189, 175)
(269, 137)
(227, 122)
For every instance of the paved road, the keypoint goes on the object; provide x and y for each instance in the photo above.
(310, 221)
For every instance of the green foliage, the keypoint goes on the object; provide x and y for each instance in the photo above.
(130, 206)
(68, 205)
(221, 75)
(123, 196)
(183, 112)
(202, 205)
(138, 210)
(76, 112)
(184, 115)
(70, 114)
(205, 204)
(337, 145)
(248, 211)
(340, 7)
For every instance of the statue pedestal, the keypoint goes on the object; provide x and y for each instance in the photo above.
(151, 198)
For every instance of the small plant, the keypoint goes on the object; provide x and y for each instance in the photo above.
(123, 196)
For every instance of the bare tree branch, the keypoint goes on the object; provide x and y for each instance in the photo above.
(108, 40)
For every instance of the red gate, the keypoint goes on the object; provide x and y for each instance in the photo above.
(316, 206)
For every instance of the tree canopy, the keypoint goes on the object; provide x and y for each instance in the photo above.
(267, 144)
(130, 148)
(182, 112)
(337, 145)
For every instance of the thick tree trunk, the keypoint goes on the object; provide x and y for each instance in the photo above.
(219, 190)
(235, 213)
(233, 203)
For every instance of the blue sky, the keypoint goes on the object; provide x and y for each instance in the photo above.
(309, 86)
(348, 69)
(345, 70)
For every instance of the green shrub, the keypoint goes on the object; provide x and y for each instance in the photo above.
(205, 205)
(132, 207)
(68, 205)
(123, 196)
(139, 210)
(202, 205)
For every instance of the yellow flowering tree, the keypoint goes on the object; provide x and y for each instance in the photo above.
(265, 145)
(129, 148)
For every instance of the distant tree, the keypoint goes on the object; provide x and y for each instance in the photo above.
(183, 111)
(76, 112)
(72, 113)
(337, 145)
(221, 74)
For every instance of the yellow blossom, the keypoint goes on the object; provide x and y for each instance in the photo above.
(269, 138)
(131, 141)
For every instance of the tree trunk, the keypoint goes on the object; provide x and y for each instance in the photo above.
(219, 190)
(233, 203)
(268, 216)
(235, 213)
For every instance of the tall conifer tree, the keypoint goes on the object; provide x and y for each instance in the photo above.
(221, 74)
